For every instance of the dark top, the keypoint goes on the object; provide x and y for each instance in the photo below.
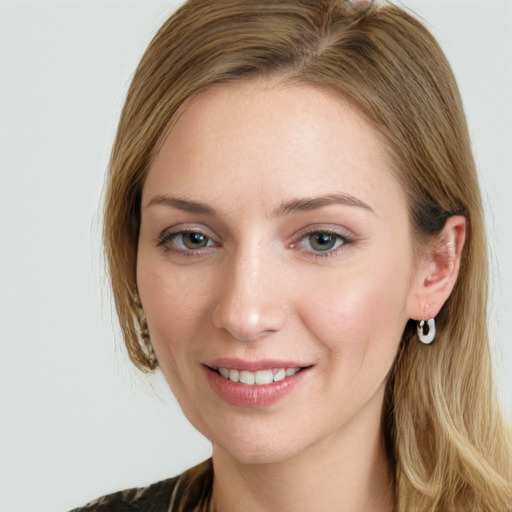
(155, 498)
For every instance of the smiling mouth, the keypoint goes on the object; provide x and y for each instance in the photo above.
(258, 377)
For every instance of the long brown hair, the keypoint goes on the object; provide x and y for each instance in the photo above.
(448, 445)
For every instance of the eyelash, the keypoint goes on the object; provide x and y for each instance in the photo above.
(340, 237)
(165, 240)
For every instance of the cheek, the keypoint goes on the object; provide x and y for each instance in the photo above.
(172, 304)
(360, 312)
(171, 307)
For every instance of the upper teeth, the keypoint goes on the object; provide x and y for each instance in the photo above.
(257, 377)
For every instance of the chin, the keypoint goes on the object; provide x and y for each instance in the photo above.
(253, 454)
(254, 446)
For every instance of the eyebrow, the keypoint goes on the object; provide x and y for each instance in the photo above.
(182, 204)
(295, 205)
(313, 203)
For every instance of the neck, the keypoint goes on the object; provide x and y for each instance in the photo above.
(346, 473)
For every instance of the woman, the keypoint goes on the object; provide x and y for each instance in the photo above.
(294, 235)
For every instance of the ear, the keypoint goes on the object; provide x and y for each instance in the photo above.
(437, 270)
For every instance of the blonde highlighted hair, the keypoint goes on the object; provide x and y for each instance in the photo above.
(448, 446)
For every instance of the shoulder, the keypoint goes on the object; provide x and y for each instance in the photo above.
(155, 498)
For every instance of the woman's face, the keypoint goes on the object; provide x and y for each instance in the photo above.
(275, 268)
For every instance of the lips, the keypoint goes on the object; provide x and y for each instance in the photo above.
(254, 384)
(258, 377)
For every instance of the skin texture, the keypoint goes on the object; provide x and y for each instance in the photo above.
(262, 288)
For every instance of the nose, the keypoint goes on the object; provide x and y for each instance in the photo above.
(251, 302)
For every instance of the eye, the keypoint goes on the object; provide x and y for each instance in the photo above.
(321, 243)
(185, 241)
(193, 240)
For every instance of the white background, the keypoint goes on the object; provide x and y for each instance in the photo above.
(75, 420)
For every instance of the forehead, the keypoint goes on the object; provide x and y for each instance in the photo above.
(272, 141)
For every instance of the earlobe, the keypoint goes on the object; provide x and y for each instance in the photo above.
(438, 269)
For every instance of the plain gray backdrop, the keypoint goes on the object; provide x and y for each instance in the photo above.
(75, 420)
